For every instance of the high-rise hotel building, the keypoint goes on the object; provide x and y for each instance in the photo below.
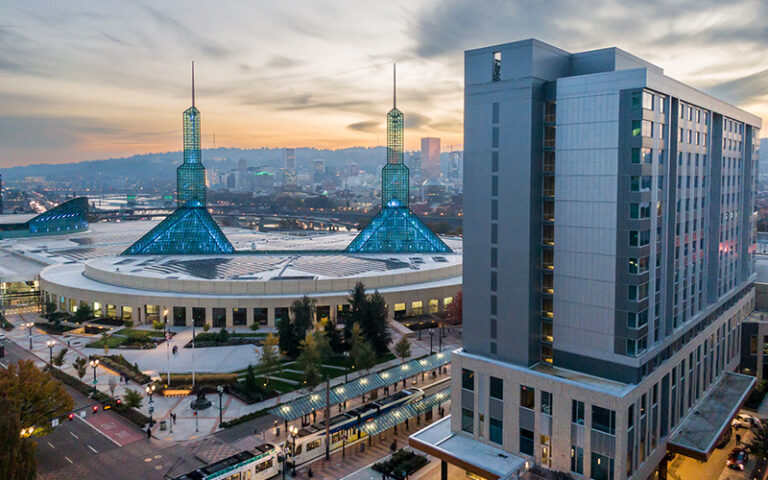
(608, 240)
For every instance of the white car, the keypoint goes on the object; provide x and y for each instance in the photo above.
(743, 420)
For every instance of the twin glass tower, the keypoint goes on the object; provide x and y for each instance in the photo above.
(190, 175)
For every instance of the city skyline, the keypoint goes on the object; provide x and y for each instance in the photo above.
(84, 82)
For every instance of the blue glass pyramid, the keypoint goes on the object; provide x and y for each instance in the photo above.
(189, 230)
(396, 229)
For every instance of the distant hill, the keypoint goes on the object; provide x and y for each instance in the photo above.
(153, 167)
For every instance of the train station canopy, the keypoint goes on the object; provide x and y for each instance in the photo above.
(315, 401)
(702, 427)
(400, 414)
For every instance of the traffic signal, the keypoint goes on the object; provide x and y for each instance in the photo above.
(118, 402)
(95, 409)
(107, 406)
(71, 416)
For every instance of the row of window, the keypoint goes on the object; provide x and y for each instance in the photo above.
(692, 138)
(693, 114)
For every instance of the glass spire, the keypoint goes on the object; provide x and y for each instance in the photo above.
(190, 176)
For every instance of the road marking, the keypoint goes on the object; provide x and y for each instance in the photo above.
(72, 433)
(67, 459)
(93, 449)
(51, 445)
(95, 428)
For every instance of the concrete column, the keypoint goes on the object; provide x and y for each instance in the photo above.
(249, 316)
(228, 320)
(209, 316)
(188, 316)
(443, 470)
(271, 317)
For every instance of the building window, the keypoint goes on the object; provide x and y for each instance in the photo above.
(467, 420)
(526, 441)
(497, 388)
(577, 412)
(260, 316)
(496, 73)
(647, 101)
(577, 459)
(495, 113)
(602, 467)
(198, 316)
(495, 137)
(639, 211)
(603, 420)
(239, 316)
(639, 238)
(527, 397)
(640, 183)
(546, 402)
(434, 305)
(495, 431)
(219, 317)
(417, 307)
(494, 328)
(467, 379)
(179, 316)
(638, 265)
(494, 161)
(637, 293)
(494, 304)
(637, 320)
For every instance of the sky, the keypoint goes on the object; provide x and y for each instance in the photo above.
(84, 80)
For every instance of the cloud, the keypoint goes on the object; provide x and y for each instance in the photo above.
(742, 90)
(415, 120)
(367, 126)
(281, 62)
(34, 133)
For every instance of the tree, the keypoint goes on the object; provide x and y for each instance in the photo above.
(250, 379)
(17, 453)
(289, 343)
(358, 306)
(83, 314)
(403, 349)
(157, 325)
(334, 337)
(132, 398)
(38, 395)
(314, 348)
(453, 312)
(206, 327)
(360, 350)
(269, 359)
(81, 366)
(128, 323)
(223, 335)
(303, 310)
(376, 319)
(58, 359)
(50, 308)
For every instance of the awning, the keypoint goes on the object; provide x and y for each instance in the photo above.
(398, 415)
(465, 452)
(315, 401)
(699, 431)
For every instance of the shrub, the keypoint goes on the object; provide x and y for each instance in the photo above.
(401, 461)
(132, 398)
(202, 379)
(124, 367)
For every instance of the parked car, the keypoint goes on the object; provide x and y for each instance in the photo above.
(743, 420)
(725, 438)
(737, 459)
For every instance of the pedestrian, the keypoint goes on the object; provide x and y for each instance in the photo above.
(738, 439)
(309, 473)
(149, 433)
(174, 419)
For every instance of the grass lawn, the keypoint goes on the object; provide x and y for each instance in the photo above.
(112, 341)
(299, 377)
(133, 332)
(282, 387)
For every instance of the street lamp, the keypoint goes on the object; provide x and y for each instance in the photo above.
(50, 344)
(94, 364)
(220, 391)
(28, 326)
(293, 430)
(149, 390)
(431, 335)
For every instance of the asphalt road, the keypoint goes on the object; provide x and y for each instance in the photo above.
(71, 442)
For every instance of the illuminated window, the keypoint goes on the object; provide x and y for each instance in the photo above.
(417, 307)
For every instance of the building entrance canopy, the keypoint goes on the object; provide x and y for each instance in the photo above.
(700, 430)
(465, 452)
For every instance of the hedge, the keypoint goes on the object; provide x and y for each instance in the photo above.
(212, 379)
(401, 461)
(124, 367)
(244, 418)
(134, 416)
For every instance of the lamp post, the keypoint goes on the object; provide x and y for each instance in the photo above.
(293, 430)
(440, 342)
(50, 344)
(28, 326)
(431, 336)
(150, 389)
(94, 364)
(346, 365)
(220, 391)
(167, 346)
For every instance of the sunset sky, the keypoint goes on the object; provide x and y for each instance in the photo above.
(86, 80)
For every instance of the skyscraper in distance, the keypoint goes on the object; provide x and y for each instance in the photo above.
(430, 157)
(190, 175)
(289, 167)
(608, 266)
